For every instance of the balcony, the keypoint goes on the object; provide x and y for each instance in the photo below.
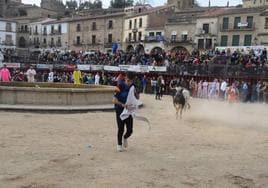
(241, 27)
(55, 32)
(132, 41)
(187, 40)
(8, 43)
(149, 39)
(36, 33)
(22, 31)
(201, 33)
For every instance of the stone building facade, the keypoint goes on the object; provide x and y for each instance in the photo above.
(239, 26)
(145, 31)
(96, 32)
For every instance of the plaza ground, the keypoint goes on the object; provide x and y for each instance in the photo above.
(215, 145)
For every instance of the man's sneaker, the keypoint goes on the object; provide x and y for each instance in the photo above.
(119, 148)
(125, 143)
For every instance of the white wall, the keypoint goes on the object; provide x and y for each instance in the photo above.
(3, 33)
(64, 27)
(140, 29)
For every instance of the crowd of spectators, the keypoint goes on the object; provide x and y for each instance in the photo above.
(220, 89)
(206, 62)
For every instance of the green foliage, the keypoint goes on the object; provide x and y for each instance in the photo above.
(97, 4)
(71, 5)
(121, 3)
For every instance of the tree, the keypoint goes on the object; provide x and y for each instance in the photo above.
(121, 3)
(97, 4)
(71, 5)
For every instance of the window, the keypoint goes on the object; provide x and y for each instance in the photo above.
(59, 42)
(52, 29)
(26, 28)
(173, 37)
(235, 41)
(201, 43)
(266, 22)
(140, 35)
(9, 39)
(44, 41)
(93, 39)
(151, 34)
(237, 20)
(208, 43)
(250, 21)
(140, 23)
(78, 27)
(36, 30)
(224, 40)
(225, 23)
(247, 40)
(129, 36)
(158, 33)
(135, 37)
(52, 42)
(206, 28)
(110, 38)
(45, 30)
(135, 23)
(22, 28)
(110, 26)
(8, 27)
(94, 26)
(130, 24)
(78, 42)
(184, 37)
(59, 29)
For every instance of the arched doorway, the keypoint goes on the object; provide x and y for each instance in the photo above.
(22, 42)
(158, 54)
(140, 49)
(157, 50)
(179, 51)
(130, 48)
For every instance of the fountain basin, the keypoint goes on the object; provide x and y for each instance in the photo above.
(55, 96)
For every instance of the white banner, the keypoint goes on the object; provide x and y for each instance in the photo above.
(96, 67)
(111, 68)
(124, 67)
(44, 66)
(157, 69)
(83, 67)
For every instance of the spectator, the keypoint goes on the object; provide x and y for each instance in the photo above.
(77, 76)
(31, 74)
(5, 74)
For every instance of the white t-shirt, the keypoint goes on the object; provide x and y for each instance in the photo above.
(50, 77)
(97, 79)
(30, 75)
(223, 86)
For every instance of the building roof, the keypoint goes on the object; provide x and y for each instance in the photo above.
(95, 17)
(152, 10)
(213, 12)
(7, 20)
(240, 10)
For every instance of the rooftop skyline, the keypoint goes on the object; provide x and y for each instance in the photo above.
(106, 3)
